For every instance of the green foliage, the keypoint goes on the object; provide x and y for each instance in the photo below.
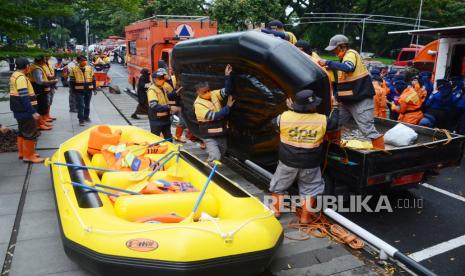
(16, 52)
(233, 14)
(18, 18)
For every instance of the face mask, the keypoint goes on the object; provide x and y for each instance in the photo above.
(417, 86)
(83, 63)
(341, 54)
(159, 82)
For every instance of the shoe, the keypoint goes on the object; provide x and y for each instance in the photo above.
(277, 200)
(73, 110)
(178, 135)
(135, 117)
(82, 123)
(88, 120)
(43, 121)
(378, 143)
(43, 127)
(306, 216)
(29, 150)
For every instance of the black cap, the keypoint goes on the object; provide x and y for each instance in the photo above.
(21, 63)
(305, 101)
(81, 57)
(304, 45)
(276, 23)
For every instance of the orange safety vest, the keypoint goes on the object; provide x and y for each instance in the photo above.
(379, 100)
(410, 107)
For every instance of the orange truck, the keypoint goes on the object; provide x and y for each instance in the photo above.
(150, 41)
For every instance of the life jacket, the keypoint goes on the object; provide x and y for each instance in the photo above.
(83, 80)
(48, 70)
(15, 100)
(379, 100)
(120, 157)
(38, 88)
(163, 186)
(356, 85)
(169, 87)
(102, 135)
(210, 128)
(301, 138)
(156, 93)
(410, 106)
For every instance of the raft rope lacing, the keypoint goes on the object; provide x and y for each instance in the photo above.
(227, 236)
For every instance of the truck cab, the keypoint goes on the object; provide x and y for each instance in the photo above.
(150, 41)
(407, 55)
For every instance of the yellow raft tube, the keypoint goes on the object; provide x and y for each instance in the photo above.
(232, 233)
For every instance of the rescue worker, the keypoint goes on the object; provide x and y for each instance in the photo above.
(82, 83)
(425, 81)
(159, 107)
(458, 99)
(305, 47)
(302, 131)
(354, 89)
(41, 85)
(211, 115)
(379, 99)
(23, 104)
(276, 28)
(421, 91)
(409, 106)
(142, 86)
(438, 104)
(50, 71)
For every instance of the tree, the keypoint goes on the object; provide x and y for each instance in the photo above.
(18, 19)
(233, 14)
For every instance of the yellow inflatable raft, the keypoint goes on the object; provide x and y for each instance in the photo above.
(111, 227)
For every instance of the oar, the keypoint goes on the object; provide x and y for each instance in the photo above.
(190, 218)
(137, 176)
(140, 149)
(93, 189)
(47, 162)
(116, 189)
(160, 166)
(159, 142)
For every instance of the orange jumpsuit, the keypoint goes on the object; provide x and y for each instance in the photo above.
(410, 106)
(379, 100)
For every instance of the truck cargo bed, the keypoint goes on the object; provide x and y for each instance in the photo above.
(396, 166)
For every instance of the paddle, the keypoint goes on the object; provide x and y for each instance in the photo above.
(47, 162)
(93, 189)
(190, 218)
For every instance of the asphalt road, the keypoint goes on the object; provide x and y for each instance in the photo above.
(428, 222)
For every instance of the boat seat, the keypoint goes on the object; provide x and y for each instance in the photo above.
(133, 207)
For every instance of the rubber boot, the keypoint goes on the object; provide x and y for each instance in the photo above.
(42, 126)
(19, 143)
(378, 143)
(45, 122)
(334, 136)
(178, 135)
(29, 150)
(50, 116)
(277, 199)
(306, 216)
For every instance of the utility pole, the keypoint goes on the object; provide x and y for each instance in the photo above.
(87, 37)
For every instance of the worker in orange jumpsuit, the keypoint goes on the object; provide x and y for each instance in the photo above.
(409, 107)
(421, 91)
(379, 99)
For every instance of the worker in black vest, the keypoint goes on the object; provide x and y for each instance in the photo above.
(302, 131)
(354, 89)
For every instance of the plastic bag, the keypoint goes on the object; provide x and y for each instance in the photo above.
(400, 136)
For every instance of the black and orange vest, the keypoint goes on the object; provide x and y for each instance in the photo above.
(357, 85)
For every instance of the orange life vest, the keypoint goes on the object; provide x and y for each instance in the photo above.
(102, 135)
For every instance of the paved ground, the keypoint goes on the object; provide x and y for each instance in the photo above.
(37, 249)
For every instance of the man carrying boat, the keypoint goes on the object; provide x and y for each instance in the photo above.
(354, 88)
(302, 131)
(211, 115)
